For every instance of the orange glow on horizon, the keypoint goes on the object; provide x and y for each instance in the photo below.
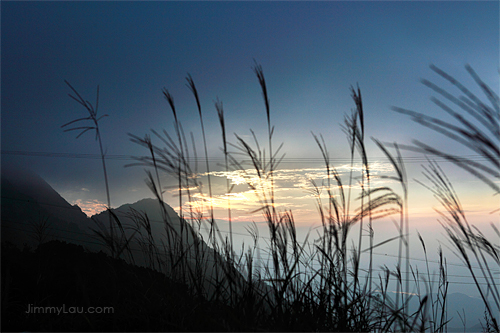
(90, 207)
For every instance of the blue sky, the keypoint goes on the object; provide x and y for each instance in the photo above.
(311, 53)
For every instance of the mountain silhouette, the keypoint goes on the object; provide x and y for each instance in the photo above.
(159, 239)
(32, 211)
(172, 245)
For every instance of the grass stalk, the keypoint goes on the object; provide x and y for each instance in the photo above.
(95, 126)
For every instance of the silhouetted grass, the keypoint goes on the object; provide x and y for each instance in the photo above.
(309, 288)
(193, 285)
(478, 130)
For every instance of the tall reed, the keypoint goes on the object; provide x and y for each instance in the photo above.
(318, 286)
(116, 243)
(478, 131)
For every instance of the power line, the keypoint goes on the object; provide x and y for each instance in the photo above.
(254, 265)
(65, 155)
(43, 203)
(409, 159)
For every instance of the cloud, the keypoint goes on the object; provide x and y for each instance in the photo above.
(299, 190)
(90, 207)
(293, 188)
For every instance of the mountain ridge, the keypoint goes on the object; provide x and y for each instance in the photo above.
(29, 202)
(27, 199)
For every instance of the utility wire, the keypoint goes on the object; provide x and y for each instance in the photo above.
(409, 159)
(263, 268)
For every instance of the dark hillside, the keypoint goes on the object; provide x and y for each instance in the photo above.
(28, 202)
(59, 274)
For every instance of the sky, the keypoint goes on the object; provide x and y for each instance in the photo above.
(311, 54)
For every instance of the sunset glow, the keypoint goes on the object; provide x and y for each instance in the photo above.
(90, 207)
(294, 191)
(321, 79)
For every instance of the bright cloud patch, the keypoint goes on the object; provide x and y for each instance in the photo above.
(294, 189)
(90, 207)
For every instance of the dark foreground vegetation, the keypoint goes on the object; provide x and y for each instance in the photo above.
(101, 293)
(318, 286)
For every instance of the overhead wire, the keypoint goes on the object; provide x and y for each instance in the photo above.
(215, 159)
(260, 267)
(409, 159)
